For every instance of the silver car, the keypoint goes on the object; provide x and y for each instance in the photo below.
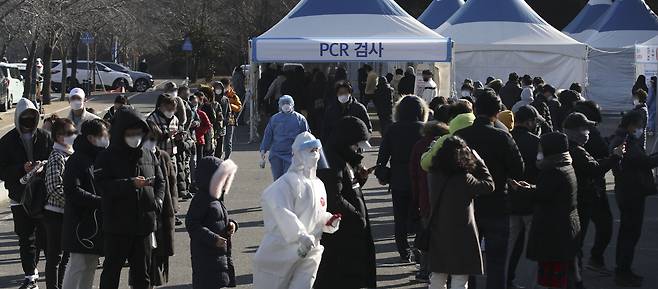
(141, 81)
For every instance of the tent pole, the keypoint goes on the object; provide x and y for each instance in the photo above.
(253, 91)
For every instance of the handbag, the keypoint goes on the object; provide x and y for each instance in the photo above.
(34, 197)
(383, 173)
(422, 241)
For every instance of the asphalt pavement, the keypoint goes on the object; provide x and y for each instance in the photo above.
(243, 202)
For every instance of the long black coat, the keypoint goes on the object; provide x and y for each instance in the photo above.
(396, 146)
(510, 94)
(82, 211)
(14, 156)
(348, 260)
(335, 111)
(588, 171)
(128, 210)
(633, 176)
(555, 224)
(454, 243)
(501, 155)
(528, 143)
(207, 218)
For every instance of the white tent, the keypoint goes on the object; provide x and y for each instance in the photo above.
(439, 11)
(513, 39)
(345, 31)
(612, 59)
(348, 31)
(579, 27)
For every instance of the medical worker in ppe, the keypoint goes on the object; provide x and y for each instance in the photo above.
(279, 136)
(295, 215)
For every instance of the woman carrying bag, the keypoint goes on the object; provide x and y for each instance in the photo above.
(458, 175)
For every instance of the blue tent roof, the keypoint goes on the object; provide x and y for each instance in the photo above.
(496, 11)
(627, 15)
(439, 11)
(587, 16)
(333, 7)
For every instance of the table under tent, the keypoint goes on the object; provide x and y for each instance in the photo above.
(611, 67)
(513, 39)
(346, 33)
(580, 27)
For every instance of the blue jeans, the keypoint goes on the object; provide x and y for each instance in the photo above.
(228, 142)
(495, 230)
(279, 167)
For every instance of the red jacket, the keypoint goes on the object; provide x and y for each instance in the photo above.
(420, 197)
(203, 128)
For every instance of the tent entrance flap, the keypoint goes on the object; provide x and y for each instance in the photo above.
(350, 50)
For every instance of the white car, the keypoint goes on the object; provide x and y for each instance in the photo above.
(104, 76)
(12, 85)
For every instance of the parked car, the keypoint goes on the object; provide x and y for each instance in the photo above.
(11, 89)
(105, 76)
(141, 81)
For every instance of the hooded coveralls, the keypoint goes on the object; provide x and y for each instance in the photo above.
(279, 136)
(293, 206)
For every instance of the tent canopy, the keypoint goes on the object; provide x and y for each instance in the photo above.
(514, 39)
(586, 18)
(514, 27)
(439, 11)
(626, 23)
(324, 31)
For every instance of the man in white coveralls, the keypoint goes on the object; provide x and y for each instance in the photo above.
(295, 215)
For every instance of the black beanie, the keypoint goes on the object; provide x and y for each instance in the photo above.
(554, 143)
(350, 130)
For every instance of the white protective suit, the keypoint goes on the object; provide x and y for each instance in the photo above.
(294, 211)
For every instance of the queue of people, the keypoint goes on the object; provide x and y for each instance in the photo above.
(531, 158)
(89, 187)
(515, 170)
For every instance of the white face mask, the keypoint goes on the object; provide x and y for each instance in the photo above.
(76, 104)
(168, 114)
(218, 91)
(174, 93)
(133, 141)
(540, 156)
(286, 108)
(364, 145)
(68, 140)
(635, 101)
(466, 93)
(102, 142)
(150, 145)
(310, 159)
(344, 98)
(638, 133)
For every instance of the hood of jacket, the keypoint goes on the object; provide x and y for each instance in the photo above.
(22, 107)
(461, 121)
(410, 71)
(82, 145)
(215, 176)
(411, 108)
(126, 118)
(526, 95)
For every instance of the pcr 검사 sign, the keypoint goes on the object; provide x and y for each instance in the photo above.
(345, 50)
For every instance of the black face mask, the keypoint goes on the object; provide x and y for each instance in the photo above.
(353, 158)
(27, 123)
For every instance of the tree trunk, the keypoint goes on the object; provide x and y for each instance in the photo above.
(75, 45)
(27, 84)
(47, 67)
(63, 51)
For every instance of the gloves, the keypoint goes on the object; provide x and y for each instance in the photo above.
(306, 243)
(262, 159)
(334, 220)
